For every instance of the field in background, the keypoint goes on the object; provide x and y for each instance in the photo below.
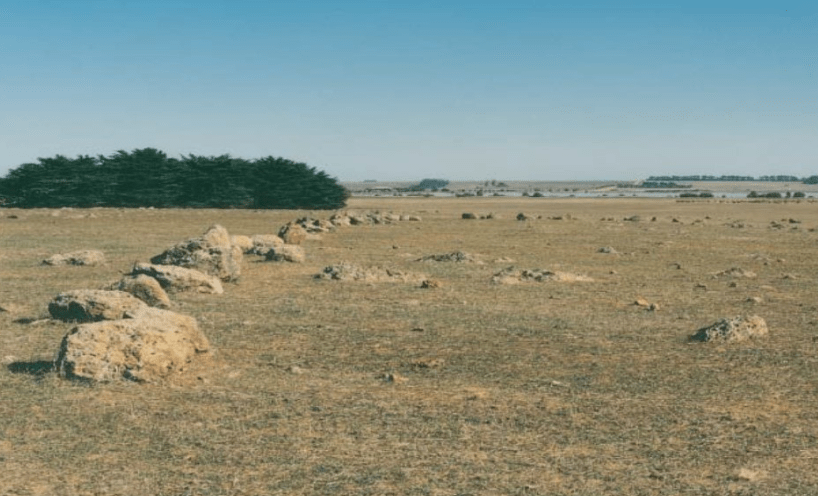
(330, 387)
(738, 189)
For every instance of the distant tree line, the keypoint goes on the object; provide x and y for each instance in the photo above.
(779, 178)
(149, 178)
(664, 185)
(775, 194)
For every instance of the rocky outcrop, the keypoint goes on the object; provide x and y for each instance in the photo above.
(735, 329)
(212, 253)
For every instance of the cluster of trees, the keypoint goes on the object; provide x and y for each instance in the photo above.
(432, 184)
(149, 178)
(778, 178)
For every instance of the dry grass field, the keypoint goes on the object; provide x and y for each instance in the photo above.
(473, 388)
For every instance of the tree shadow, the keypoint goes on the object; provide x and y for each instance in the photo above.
(35, 368)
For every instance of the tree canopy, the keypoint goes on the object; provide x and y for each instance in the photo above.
(149, 178)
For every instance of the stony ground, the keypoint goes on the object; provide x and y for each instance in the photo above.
(379, 386)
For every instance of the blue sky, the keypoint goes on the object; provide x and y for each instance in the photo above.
(402, 90)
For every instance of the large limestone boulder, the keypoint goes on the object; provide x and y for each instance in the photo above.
(82, 257)
(212, 253)
(180, 279)
(262, 243)
(91, 305)
(286, 253)
(735, 329)
(244, 243)
(144, 287)
(293, 234)
(340, 220)
(149, 346)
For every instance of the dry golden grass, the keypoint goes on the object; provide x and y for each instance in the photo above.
(330, 387)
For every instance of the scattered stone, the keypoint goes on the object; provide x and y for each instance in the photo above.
(144, 287)
(427, 363)
(511, 276)
(633, 218)
(748, 475)
(393, 378)
(431, 284)
(82, 257)
(286, 253)
(146, 347)
(456, 256)
(11, 308)
(92, 305)
(736, 272)
(415, 218)
(641, 302)
(179, 279)
(607, 249)
(755, 299)
(732, 330)
(350, 272)
(211, 253)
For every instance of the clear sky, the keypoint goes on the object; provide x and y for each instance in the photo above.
(407, 89)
